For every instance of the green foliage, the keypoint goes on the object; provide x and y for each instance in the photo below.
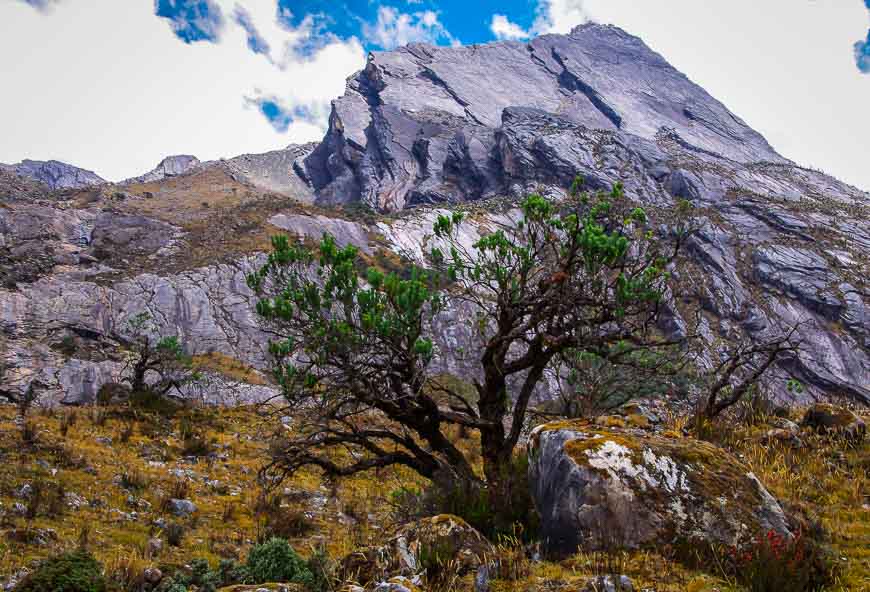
(494, 518)
(341, 312)
(276, 561)
(77, 571)
(323, 571)
(600, 383)
(585, 274)
(205, 579)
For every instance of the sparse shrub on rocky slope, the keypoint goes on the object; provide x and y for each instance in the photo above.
(77, 571)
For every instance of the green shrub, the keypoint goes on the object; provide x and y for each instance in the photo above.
(323, 571)
(276, 561)
(71, 572)
(475, 507)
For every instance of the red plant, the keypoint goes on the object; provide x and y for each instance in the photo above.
(773, 563)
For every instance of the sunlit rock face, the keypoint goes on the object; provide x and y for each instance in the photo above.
(778, 245)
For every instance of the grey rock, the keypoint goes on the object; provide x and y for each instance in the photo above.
(612, 583)
(631, 489)
(278, 171)
(155, 546)
(56, 174)
(313, 227)
(429, 127)
(171, 166)
(182, 507)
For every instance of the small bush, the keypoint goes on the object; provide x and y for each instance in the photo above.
(99, 416)
(772, 563)
(323, 571)
(127, 431)
(134, 480)
(276, 561)
(29, 433)
(179, 489)
(174, 534)
(71, 572)
(474, 506)
(67, 420)
(150, 401)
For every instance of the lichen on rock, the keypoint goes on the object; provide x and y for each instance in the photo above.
(597, 487)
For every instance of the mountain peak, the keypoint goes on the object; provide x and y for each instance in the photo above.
(401, 117)
(56, 174)
(171, 166)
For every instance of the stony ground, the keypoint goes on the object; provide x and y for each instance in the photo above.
(107, 475)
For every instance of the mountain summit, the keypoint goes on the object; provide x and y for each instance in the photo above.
(428, 124)
(419, 130)
(55, 174)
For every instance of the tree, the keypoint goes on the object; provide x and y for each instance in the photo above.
(592, 385)
(155, 365)
(353, 353)
(741, 369)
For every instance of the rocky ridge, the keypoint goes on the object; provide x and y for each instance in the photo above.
(54, 174)
(425, 128)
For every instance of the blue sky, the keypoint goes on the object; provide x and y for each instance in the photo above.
(115, 85)
(457, 21)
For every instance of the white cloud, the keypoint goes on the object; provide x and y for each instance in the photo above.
(393, 28)
(559, 16)
(106, 85)
(503, 28)
(43, 5)
(785, 67)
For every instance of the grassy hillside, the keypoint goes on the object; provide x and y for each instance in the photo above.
(103, 477)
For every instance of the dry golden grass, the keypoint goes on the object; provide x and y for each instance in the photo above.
(825, 479)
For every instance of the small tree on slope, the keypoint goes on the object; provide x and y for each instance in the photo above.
(352, 353)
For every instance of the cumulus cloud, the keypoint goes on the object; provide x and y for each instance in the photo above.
(192, 20)
(551, 16)
(559, 16)
(393, 28)
(503, 28)
(155, 94)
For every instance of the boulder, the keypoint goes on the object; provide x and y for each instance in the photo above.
(609, 584)
(443, 538)
(602, 488)
(182, 507)
(152, 575)
(830, 419)
(398, 584)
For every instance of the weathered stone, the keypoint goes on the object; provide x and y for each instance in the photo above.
(57, 175)
(444, 538)
(597, 488)
(609, 584)
(182, 507)
(171, 166)
(398, 584)
(152, 575)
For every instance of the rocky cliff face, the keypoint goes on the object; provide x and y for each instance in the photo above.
(55, 174)
(423, 128)
(171, 166)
